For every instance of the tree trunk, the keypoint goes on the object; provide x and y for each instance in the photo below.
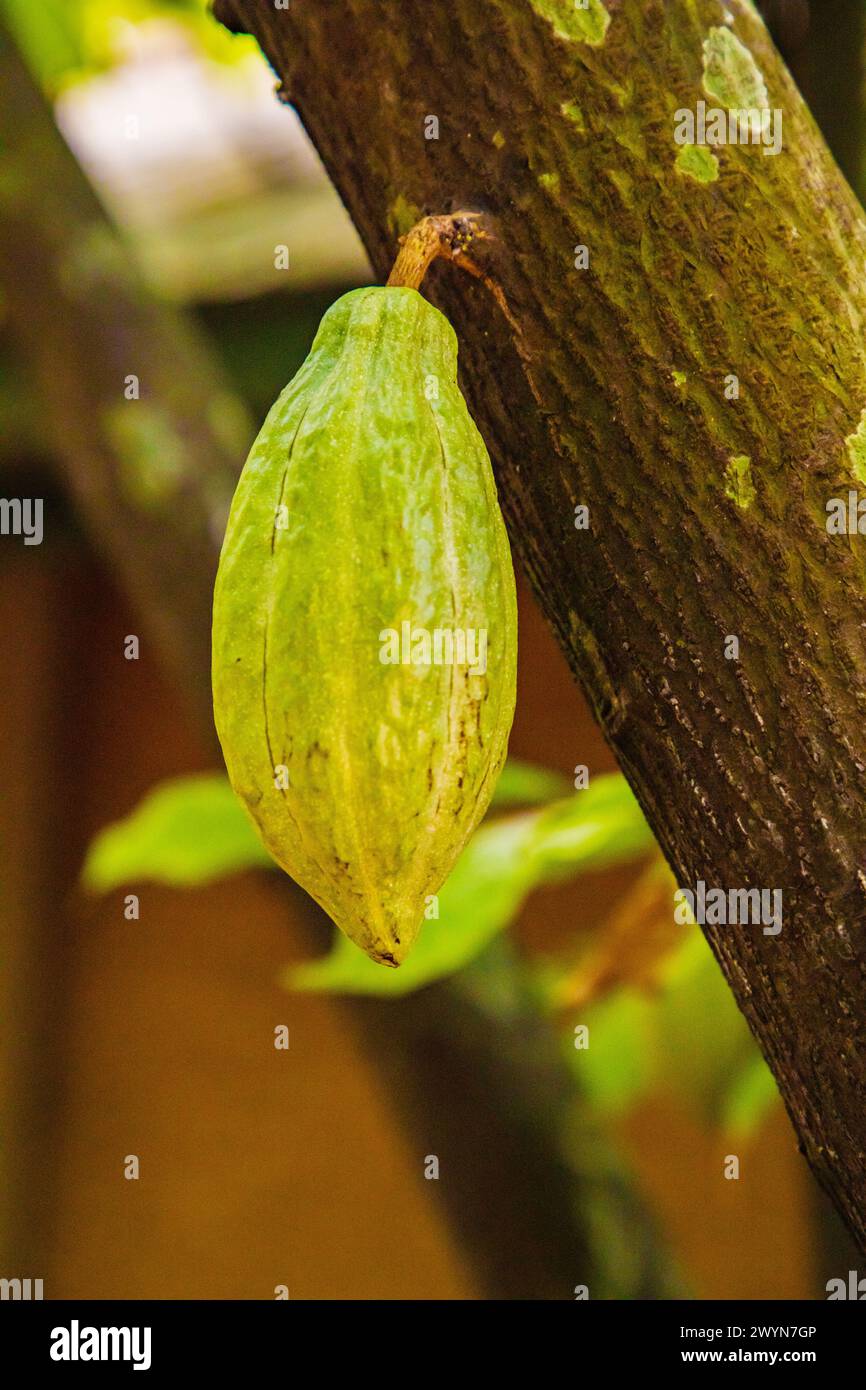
(613, 387)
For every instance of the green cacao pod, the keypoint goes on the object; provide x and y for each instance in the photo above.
(365, 629)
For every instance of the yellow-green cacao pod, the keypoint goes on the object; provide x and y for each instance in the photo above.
(365, 629)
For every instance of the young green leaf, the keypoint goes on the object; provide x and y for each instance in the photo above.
(185, 832)
(527, 784)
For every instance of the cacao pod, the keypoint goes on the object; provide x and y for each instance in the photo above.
(364, 627)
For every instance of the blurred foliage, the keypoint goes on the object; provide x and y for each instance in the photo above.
(185, 832)
(526, 784)
(660, 1016)
(240, 238)
(261, 344)
(65, 41)
(162, 839)
(688, 1039)
(235, 192)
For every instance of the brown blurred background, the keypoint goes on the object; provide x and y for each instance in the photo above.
(154, 1037)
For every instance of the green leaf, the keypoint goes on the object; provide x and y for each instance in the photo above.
(702, 1039)
(192, 830)
(64, 42)
(750, 1095)
(618, 1067)
(184, 833)
(689, 1040)
(592, 829)
(49, 36)
(527, 784)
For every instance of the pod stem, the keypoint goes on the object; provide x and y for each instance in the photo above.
(447, 236)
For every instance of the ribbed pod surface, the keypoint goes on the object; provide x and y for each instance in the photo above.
(364, 524)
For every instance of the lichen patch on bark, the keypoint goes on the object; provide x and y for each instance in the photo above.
(587, 25)
(403, 215)
(731, 75)
(698, 163)
(572, 112)
(856, 445)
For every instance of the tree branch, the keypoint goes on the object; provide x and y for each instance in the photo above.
(707, 509)
(151, 462)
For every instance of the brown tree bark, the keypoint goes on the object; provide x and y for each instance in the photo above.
(611, 387)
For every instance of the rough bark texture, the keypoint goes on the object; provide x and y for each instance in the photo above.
(609, 391)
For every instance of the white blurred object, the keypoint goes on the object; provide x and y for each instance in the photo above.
(168, 138)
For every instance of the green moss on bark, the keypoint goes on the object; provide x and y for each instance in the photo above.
(698, 163)
(738, 481)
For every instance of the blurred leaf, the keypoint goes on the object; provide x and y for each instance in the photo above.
(630, 947)
(65, 41)
(702, 1040)
(618, 1066)
(595, 828)
(750, 1095)
(689, 1040)
(527, 784)
(184, 833)
(192, 830)
(49, 36)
